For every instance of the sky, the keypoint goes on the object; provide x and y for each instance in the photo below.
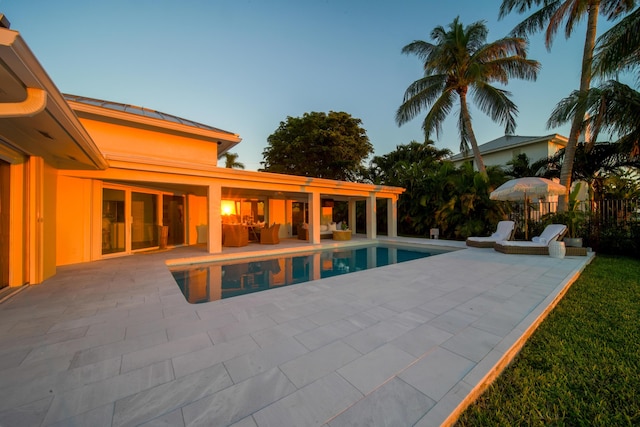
(246, 65)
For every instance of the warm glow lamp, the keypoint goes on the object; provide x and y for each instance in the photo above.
(228, 207)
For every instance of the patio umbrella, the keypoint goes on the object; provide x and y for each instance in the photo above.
(523, 189)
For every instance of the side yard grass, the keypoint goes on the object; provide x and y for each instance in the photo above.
(582, 366)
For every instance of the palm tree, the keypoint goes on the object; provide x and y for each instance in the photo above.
(552, 14)
(618, 49)
(459, 60)
(231, 161)
(612, 106)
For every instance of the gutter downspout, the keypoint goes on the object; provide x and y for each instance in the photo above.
(35, 103)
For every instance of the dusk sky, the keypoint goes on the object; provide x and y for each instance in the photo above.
(246, 65)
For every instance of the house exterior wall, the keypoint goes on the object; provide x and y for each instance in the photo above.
(277, 213)
(535, 152)
(73, 225)
(117, 141)
(48, 207)
(197, 219)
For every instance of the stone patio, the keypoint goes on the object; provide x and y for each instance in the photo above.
(114, 343)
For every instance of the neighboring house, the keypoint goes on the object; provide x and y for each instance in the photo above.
(504, 149)
(83, 179)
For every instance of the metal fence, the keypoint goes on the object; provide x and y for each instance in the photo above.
(605, 212)
(608, 226)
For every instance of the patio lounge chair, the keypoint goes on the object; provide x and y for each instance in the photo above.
(269, 235)
(504, 231)
(539, 245)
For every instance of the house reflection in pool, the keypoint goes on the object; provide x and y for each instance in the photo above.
(211, 282)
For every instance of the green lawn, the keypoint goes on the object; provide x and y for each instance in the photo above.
(582, 366)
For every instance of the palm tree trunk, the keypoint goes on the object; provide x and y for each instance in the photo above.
(466, 119)
(576, 124)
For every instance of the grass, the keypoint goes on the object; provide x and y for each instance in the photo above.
(582, 366)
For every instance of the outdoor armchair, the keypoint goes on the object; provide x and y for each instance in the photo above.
(269, 235)
(235, 235)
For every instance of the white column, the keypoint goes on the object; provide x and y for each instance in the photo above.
(36, 220)
(352, 215)
(371, 216)
(214, 220)
(314, 217)
(392, 216)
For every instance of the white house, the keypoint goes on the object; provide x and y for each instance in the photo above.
(506, 148)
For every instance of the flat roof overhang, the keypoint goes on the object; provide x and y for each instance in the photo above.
(35, 119)
(237, 183)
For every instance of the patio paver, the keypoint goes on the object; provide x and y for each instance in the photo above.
(114, 342)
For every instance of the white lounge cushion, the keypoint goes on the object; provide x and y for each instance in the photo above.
(504, 231)
(549, 234)
(552, 231)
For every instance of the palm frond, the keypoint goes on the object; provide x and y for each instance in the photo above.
(501, 48)
(564, 110)
(419, 48)
(537, 21)
(438, 113)
(618, 49)
(496, 104)
(420, 94)
(614, 8)
(503, 69)
(570, 12)
(519, 6)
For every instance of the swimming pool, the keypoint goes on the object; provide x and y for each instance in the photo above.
(213, 281)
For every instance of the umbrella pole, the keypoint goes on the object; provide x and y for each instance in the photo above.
(526, 217)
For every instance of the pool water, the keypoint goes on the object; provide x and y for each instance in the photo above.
(213, 281)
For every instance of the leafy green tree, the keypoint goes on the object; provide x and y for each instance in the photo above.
(623, 186)
(550, 15)
(390, 168)
(460, 59)
(437, 194)
(320, 145)
(231, 161)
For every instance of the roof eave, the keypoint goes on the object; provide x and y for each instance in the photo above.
(22, 64)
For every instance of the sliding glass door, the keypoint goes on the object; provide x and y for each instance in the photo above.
(144, 220)
(173, 218)
(113, 221)
(122, 235)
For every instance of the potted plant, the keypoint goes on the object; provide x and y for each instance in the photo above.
(574, 218)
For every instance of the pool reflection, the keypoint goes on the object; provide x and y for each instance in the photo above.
(211, 282)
